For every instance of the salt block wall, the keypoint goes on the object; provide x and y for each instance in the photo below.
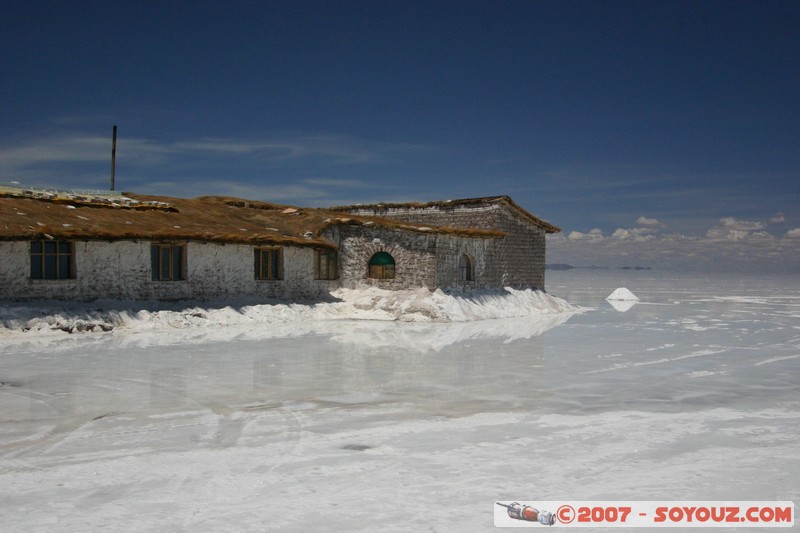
(414, 255)
(101, 270)
(482, 253)
(121, 270)
(421, 260)
(516, 261)
(226, 271)
(522, 256)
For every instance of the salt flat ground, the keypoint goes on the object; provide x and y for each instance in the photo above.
(693, 393)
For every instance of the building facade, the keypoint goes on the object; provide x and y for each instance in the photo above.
(215, 248)
(516, 260)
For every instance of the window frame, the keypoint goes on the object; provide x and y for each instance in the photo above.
(63, 261)
(377, 270)
(466, 269)
(175, 267)
(326, 265)
(273, 264)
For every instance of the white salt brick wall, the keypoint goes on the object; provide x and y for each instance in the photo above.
(121, 270)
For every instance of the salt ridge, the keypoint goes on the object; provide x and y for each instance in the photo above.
(414, 305)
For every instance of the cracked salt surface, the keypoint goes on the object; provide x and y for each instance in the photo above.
(246, 427)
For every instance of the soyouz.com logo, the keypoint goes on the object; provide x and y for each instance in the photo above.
(644, 514)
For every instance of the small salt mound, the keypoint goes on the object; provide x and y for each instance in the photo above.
(623, 294)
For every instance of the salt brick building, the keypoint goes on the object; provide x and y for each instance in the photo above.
(134, 247)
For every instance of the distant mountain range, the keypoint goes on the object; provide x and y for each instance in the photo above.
(564, 266)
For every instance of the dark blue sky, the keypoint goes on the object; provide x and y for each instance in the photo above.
(661, 119)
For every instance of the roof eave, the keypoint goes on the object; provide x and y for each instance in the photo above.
(546, 226)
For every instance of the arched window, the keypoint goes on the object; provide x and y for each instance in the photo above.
(465, 268)
(381, 266)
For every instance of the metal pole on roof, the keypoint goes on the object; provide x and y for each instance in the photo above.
(113, 156)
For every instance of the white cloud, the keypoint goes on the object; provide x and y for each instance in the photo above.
(594, 234)
(753, 251)
(745, 225)
(341, 149)
(328, 182)
(36, 156)
(727, 234)
(640, 234)
(732, 245)
(732, 229)
(318, 192)
(645, 221)
(73, 149)
(777, 219)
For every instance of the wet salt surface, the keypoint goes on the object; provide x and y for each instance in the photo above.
(691, 393)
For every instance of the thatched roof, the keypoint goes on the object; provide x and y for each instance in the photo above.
(506, 200)
(28, 215)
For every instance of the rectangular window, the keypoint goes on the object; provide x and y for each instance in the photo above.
(326, 264)
(51, 260)
(269, 263)
(167, 262)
